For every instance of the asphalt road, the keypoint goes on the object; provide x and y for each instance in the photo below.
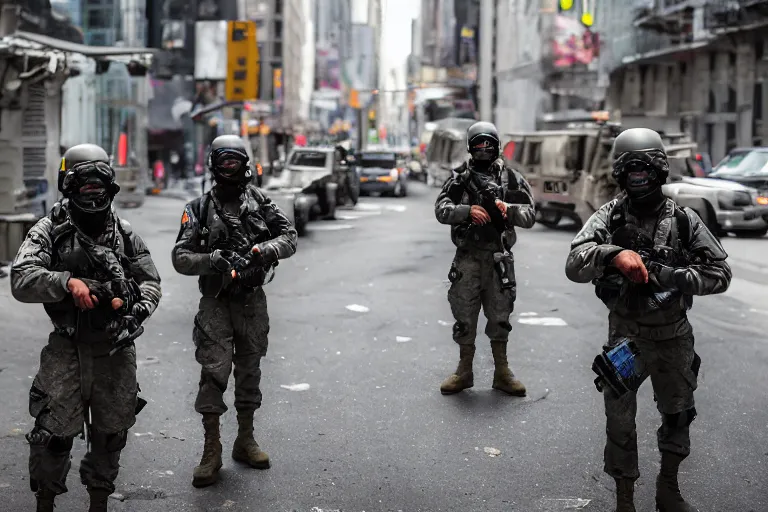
(353, 418)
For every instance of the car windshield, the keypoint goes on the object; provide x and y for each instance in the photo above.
(752, 163)
(308, 158)
(385, 160)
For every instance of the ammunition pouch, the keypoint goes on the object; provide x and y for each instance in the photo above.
(619, 369)
(504, 263)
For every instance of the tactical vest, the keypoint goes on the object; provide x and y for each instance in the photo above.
(209, 233)
(672, 230)
(68, 255)
(481, 237)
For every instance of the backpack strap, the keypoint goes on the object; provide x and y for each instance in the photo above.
(618, 217)
(203, 205)
(125, 229)
(682, 234)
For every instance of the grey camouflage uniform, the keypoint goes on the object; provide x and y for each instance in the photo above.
(75, 369)
(476, 283)
(664, 337)
(230, 329)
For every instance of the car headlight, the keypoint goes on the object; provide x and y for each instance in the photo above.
(733, 200)
(394, 173)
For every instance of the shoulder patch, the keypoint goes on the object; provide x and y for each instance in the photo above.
(184, 218)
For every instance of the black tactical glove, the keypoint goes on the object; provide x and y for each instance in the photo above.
(140, 312)
(662, 276)
(219, 261)
(236, 261)
(128, 291)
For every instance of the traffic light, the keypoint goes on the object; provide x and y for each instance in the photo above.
(564, 5)
(243, 67)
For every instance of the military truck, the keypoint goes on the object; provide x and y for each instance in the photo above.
(569, 170)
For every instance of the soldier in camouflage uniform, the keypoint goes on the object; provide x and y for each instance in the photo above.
(232, 237)
(482, 273)
(657, 323)
(77, 261)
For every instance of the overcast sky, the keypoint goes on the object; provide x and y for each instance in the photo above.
(396, 33)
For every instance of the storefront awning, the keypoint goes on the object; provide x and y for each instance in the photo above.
(114, 53)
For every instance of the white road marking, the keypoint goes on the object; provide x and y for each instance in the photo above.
(402, 339)
(295, 387)
(357, 308)
(396, 208)
(529, 314)
(443, 322)
(367, 206)
(347, 217)
(492, 452)
(328, 227)
(543, 321)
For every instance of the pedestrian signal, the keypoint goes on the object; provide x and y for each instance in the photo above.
(243, 66)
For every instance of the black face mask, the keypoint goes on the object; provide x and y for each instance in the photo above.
(641, 175)
(90, 223)
(228, 192)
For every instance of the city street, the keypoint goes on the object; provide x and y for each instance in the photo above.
(353, 418)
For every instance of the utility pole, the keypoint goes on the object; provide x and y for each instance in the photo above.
(485, 77)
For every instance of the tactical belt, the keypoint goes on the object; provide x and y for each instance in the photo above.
(653, 332)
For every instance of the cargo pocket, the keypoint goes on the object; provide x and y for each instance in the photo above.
(504, 264)
(38, 401)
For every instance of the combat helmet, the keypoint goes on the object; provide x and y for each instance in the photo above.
(228, 160)
(87, 179)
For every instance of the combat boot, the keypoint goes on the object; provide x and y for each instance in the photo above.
(207, 473)
(246, 449)
(45, 499)
(503, 378)
(625, 495)
(99, 499)
(463, 378)
(668, 498)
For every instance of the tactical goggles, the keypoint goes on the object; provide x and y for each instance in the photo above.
(484, 148)
(228, 162)
(84, 177)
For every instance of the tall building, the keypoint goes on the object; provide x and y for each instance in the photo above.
(333, 46)
(693, 66)
(548, 69)
(280, 29)
(449, 36)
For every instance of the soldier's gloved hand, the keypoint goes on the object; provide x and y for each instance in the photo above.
(140, 312)
(662, 276)
(479, 215)
(502, 206)
(219, 262)
(236, 261)
(126, 290)
(631, 265)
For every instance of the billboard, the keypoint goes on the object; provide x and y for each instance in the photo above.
(327, 67)
(573, 44)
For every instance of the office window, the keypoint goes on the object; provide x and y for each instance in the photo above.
(97, 18)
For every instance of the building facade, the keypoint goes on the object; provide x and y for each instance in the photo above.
(546, 67)
(693, 66)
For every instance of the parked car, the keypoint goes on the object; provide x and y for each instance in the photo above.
(381, 171)
(319, 180)
(447, 149)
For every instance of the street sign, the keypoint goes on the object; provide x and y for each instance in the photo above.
(243, 64)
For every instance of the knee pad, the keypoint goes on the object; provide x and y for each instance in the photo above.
(55, 444)
(116, 442)
(459, 329)
(680, 419)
